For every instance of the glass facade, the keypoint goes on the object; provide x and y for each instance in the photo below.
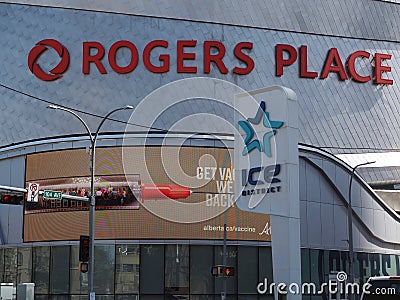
(125, 271)
(173, 271)
(319, 266)
(41, 269)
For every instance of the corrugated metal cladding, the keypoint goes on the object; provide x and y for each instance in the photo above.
(341, 116)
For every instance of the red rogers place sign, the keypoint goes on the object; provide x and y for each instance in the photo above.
(156, 57)
(38, 50)
(287, 55)
(94, 54)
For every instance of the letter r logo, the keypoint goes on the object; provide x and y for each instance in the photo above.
(38, 50)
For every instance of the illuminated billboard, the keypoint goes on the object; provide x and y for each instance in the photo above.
(125, 202)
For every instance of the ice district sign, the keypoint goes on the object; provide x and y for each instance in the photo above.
(267, 172)
(266, 157)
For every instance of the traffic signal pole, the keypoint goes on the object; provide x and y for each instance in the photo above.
(223, 293)
(92, 203)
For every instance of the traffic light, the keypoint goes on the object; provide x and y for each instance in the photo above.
(83, 267)
(222, 271)
(84, 248)
(216, 270)
(229, 271)
(10, 198)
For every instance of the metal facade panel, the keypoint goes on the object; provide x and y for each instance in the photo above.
(303, 223)
(374, 229)
(302, 179)
(15, 223)
(5, 174)
(327, 226)
(332, 113)
(313, 184)
(314, 223)
(368, 19)
(340, 227)
(17, 172)
(4, 215)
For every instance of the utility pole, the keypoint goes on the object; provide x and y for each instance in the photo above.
(223, 293)
(92, 202)
(350, 227)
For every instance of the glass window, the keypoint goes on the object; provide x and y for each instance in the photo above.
(79, 280)
(76, 297)
(127, 269)
(177, 269)
(104, 260)
(59, 297)
(151, 269)
(205, 297)
(128, 297)
(231, 258)
(323, 261)
(41, 297)
(2, 265)
(364, 266)
(152, 297)
(247, 270)
(41, 269)
(201, 261)
(271, 297)
(375, 261)
(59, 270)
(305, 265)
(24, 261)
(335, 261)
(388, 265)
(247, 297)
(265, 265)
(315, 266)
(344, 263)
(101, 297)
(305, 269)
(10, 265)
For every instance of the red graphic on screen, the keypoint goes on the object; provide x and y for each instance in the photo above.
(164, 191)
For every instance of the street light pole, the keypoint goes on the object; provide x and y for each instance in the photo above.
(92, 203)
(350, 226)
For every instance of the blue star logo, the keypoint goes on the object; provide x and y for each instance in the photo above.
(248, 129)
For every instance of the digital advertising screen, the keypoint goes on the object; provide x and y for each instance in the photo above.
(140, 193)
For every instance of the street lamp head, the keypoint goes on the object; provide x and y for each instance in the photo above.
(364, 164)
(53, 106)
(128, 107)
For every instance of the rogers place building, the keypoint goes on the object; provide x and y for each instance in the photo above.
(259, 115)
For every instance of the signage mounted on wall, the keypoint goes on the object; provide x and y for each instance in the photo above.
(47, 194)
(38, 50)
(287, 55)
(33, 192)
(95, 56)
(183, 54)
(266, 161)
(122, 207)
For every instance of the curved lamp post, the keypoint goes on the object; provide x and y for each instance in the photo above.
(92, 203)
(350, 225)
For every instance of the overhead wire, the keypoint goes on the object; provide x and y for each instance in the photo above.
(78, 110)
(165, 130)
